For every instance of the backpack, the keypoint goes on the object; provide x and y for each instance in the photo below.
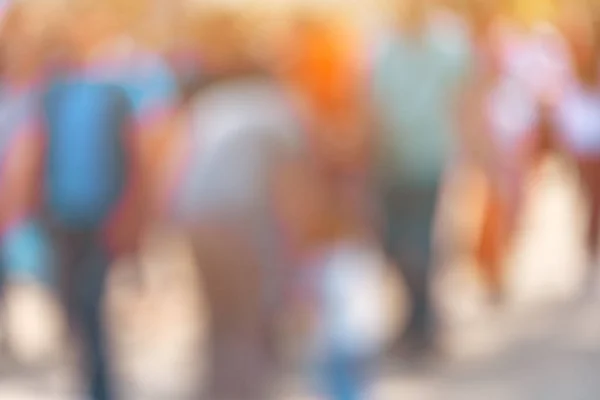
(86, 156)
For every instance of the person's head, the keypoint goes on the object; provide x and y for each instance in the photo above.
(222, 41)
(322, 58)
(92, 25)
(412, 15)
(481, 14)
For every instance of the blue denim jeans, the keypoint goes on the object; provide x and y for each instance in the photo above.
(345, 376)
(82, 263)
(407, 233)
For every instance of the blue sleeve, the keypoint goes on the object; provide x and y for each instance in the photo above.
(155, 90)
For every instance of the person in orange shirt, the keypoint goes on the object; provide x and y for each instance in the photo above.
(323, 69)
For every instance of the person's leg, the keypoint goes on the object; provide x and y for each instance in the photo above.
(392, 220)
(345, 377)
(67, 251)
(409, 220)
(233, 283)
(274, 260)
(82, 266)
(490, 250)
(95, 266)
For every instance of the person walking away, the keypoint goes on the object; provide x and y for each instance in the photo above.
(335, 282)
(526, 69)
(419, 75)
(89, 171)
(84, 179)
(240, 126)
(112, 53)
(507, 116)
(335, 215)
(577, 120)
(323, 66)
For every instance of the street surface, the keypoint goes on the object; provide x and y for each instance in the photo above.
(544, 345)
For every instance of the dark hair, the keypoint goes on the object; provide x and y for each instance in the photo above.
(479, 14)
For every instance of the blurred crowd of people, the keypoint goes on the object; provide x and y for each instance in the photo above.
(284, 154)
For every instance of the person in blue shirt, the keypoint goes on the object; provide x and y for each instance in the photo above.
(102, 119)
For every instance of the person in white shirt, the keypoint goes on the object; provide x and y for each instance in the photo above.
(237, 129)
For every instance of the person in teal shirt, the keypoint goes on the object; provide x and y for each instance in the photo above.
(418, 78)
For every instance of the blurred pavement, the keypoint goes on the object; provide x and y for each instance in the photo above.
(545, 345)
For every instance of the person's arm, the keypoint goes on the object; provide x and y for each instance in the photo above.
(474, 136)
(471, 128)
(132, 213)
(168, 165)
(156, 116)
(22, 171)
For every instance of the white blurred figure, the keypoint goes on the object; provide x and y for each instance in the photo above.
(237, 128)
(350, 329)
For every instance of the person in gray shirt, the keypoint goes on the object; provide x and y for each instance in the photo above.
(242, 128)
